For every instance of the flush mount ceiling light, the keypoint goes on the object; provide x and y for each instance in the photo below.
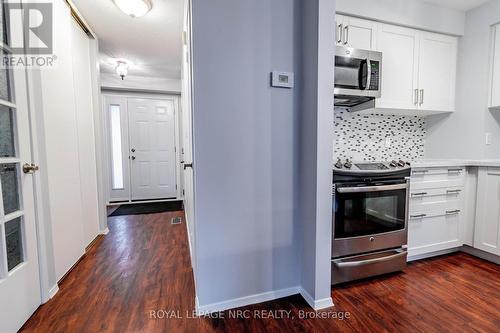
(122, 69)
(134, 8)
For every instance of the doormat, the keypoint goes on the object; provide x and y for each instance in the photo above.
(148, 208)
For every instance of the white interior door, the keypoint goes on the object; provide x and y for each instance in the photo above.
(152, 148)
(19, 274)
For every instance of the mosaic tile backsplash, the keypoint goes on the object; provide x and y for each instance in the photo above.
(363, 137)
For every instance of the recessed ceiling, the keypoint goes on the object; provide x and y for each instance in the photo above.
(153, 43)
(463, 5)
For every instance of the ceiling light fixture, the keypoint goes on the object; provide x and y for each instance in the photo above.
(134, 8)
(122, 69)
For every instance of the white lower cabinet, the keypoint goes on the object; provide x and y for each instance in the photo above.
(435, 210)
(487, 222)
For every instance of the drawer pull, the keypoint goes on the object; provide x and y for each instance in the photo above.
(420, 171)
(418, 216)
(452, 212)
(418, 194)
(453, 191)
(454, 170)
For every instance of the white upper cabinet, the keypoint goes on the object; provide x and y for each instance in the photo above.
(487, 227)
(355, 33)
(399, 47)
(437, 71)
(418, 70)
(495, 68)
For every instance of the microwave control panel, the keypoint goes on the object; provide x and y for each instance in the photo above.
(375, 75)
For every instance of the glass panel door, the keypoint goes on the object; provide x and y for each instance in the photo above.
(19, 271)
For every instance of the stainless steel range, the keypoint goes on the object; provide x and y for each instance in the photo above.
(370, 219)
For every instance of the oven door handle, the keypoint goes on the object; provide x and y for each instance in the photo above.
(340, 264)
(362, 189)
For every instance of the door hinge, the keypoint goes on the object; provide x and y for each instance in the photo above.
(175, 149)
(183, 193)
(176, 186)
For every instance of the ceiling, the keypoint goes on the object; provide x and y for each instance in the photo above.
(152, 43)
(463, 5)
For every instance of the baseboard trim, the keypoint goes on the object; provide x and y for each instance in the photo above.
(243, 301)
(481, 254)
(432, 254)
(53, 291)
(105, 231)
(319, 304)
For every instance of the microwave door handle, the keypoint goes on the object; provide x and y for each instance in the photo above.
(363, 80)
(369, 74)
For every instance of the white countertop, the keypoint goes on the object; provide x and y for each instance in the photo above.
(454, 162)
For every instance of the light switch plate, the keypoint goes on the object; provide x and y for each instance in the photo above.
(282, 79)
(487, 139)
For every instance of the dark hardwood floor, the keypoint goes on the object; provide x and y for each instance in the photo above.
(143, 265)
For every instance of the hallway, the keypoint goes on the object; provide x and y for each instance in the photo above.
(143, 265)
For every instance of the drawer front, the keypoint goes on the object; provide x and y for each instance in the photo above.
(426, 196)
(433, 233)
(433, 209)
(437, 177)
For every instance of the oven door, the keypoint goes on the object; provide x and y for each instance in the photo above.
(369, 217)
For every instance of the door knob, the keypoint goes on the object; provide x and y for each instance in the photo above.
(132, 157)
(30, 168)
(133, 150)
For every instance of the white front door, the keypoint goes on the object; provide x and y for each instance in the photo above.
(19, 274)
(152, 148)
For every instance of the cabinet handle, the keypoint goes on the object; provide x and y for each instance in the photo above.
(346, 35)
(454, 170)
(453, 191)
(452, 212)
(421, 96)
(420, 171)
(339, 33)
(418, 216)
(415, 97)
(418, 194)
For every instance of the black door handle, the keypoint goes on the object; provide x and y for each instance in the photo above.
(188, 165)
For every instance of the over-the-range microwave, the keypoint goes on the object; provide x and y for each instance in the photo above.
(358, 75)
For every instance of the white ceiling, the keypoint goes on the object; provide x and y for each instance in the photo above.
(463, 5)
(153, 43)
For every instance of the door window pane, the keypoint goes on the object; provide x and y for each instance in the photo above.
(6, 132)
(14, 242)
(5, 82)
(116, 147)
(10, 188)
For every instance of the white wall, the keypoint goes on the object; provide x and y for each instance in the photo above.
(245, 155)
(316, 149)
(139, 83)
(411, 13)
(462, 134)
(248, 148)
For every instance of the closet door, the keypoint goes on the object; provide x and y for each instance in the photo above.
(152, 148)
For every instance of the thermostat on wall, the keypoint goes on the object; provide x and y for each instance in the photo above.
(282, 79)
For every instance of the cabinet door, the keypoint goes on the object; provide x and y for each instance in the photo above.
(487, 228)
(360, 34)
(340, 22)
(399, 47)
(437, 71)
(495, 76)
